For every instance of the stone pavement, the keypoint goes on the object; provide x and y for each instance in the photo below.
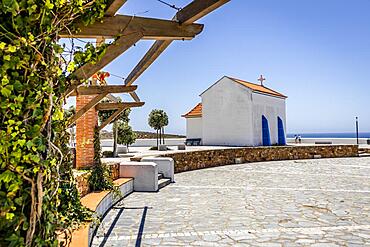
(282, 203)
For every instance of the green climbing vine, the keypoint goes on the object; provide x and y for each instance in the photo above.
(35, 161)
(100, 177)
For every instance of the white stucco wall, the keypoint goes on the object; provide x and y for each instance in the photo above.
(271, 108)
(227, 113)
(194, 127)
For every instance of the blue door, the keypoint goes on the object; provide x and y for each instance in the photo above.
(265, 132)
(281, 133)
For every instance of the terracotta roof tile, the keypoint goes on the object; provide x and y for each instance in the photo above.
(258, 88)
(195, 112)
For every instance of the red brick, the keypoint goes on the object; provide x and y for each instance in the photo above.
(85, 133)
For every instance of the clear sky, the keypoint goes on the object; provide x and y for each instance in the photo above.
(316, 52)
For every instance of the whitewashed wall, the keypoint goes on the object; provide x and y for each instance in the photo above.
(227, 112)
(194, 127)
(145, 142)
(271, 108)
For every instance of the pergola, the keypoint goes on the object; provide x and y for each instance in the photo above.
(130, 30)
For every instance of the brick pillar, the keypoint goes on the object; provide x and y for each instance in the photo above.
(85, 133)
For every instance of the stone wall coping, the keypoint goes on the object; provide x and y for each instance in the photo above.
(93, 199)
(80, 236)
(139, 157)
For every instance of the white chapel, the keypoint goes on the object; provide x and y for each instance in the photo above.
(234, 112)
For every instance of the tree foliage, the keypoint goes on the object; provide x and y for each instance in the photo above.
(35, 163)
(123, 117)
(125, 134)
(158, 119)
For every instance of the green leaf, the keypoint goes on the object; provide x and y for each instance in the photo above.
(12, 48)
(7, 176)
(6, 92)
(9, 216)
(49, 5)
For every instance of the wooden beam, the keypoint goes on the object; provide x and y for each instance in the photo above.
(113, 51)
(111, 118)
(151, 28)
(114, 6)
(155, 50)
(87, 107)
(91, 90)
(190, 13)
(135, 96)
(112, 106)
(197, 9)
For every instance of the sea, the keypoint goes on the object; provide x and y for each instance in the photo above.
(330, 135)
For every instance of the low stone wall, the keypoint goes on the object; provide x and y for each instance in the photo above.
(192, 160)
(82, 180)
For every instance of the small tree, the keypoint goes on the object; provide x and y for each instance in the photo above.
(125, 134)
(123, 117)
(157, 120)
(164, 123)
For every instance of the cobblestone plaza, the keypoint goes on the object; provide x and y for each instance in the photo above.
(322, 202)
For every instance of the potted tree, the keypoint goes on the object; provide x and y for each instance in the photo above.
(122, 118)
(158, 119)
(125, 135)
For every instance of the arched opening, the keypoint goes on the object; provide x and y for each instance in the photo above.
(266, 141)
(281, 132)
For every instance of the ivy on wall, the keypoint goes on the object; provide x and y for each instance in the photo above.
(35, 163)
(100, 177)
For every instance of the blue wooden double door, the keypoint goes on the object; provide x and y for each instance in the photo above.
(266, 140)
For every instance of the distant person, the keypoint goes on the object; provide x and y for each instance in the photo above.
(296, 139)
(299, 139)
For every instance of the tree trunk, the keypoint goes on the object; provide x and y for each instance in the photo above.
(160, 136)
(157, 141)
(115, 130)
(163, 134)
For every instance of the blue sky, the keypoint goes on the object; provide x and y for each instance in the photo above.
(315, 52)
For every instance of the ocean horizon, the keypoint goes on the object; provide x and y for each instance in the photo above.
(330, 135)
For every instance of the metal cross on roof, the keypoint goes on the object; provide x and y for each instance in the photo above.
(261, 79)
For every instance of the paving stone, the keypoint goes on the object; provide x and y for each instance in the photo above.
(323, 202)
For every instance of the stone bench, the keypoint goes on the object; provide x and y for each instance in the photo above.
(166, 166)
(323, 142)
(193, 141)
(145, 175)
(99, 202)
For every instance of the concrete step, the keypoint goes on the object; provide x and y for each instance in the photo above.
(364, 150)
(163, 182)
(160, 176)
(364, 155)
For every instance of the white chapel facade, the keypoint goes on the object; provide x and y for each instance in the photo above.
(234, 112)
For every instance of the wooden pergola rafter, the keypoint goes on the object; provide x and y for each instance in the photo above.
(92, 90)
(101, 92)
(118, 107)
(186, 16)
(123, 25)
(131, 29)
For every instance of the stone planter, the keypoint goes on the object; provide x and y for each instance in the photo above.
(122, 150)
(181, 147)
(162, 148)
